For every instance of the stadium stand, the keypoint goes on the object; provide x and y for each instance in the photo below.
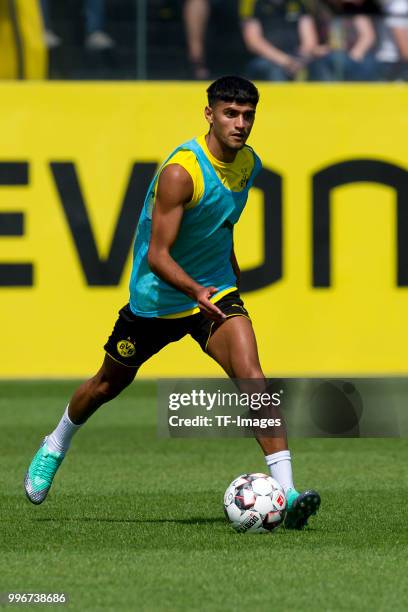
(339, 40)
(392, 53)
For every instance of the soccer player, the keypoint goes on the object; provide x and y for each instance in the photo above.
(185, 280)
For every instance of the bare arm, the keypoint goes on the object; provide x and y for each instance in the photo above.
(365, 37)
(258, 44)
(401, 38)
(196, 14)
(175, 189)
(308, 36)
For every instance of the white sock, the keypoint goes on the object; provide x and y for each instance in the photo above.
(280, 466)
(60, 439)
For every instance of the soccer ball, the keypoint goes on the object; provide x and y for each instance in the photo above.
(254, 503)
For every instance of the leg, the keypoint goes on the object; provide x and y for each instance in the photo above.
(369, 68)
(94, 15)
(96, 37)
(132, 342)
(264, 70)
(337, 60)
(233, 346)
(46, 14)
(321, 69)
(363, 70)
(50, 37)
(107, 383)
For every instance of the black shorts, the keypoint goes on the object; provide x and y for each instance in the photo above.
(135, 339)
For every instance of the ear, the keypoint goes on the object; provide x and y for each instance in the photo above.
(208, 113)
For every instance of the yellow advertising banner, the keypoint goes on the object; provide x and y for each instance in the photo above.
(323, 241)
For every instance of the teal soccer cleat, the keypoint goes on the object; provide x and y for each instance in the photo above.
(300, 506)
(40, 474)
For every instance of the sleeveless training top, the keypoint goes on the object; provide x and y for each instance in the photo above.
(202, 248)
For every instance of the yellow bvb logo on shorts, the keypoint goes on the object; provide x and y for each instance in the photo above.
(126, 348)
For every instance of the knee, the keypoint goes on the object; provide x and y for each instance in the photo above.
(103, 389)
(252, 377)
(250, 368)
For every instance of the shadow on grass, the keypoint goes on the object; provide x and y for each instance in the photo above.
(193, 521)
(95, 519)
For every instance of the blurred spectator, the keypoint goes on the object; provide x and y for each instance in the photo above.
(96, 39)
(352, 41)
(393, 40)
(283, 37)
(196, 14)
(214, 37)
(52, 40)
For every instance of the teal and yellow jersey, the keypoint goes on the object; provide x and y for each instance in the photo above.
(205, 240)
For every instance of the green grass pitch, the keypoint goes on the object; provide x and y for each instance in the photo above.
(134, 522)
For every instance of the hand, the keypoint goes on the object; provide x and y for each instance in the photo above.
(356, 54)
(200, 71)
(321, 50)
(207, 308)
(292, 65)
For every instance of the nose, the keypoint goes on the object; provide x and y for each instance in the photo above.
(240, 124)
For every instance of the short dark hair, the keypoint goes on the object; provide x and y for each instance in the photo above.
(232, 89)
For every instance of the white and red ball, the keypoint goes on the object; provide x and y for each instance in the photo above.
(255, 503)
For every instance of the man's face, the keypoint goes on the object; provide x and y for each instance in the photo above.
(231, 122)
